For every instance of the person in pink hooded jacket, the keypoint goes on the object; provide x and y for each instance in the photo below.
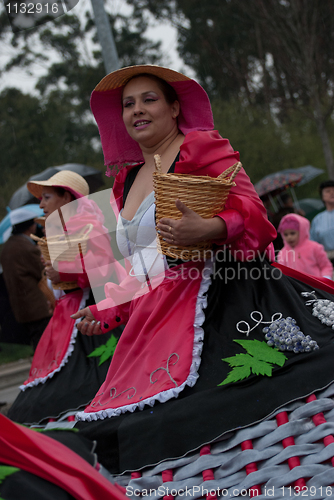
(299, 252)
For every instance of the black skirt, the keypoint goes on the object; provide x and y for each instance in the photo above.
(239, 296)
(70, 389)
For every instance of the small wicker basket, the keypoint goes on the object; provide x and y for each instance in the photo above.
(203, 194)
(64, 248)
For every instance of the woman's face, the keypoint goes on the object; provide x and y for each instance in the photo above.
(147, 116)
(51, 200)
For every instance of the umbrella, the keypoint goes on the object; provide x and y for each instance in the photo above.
(275, 183)
(311, 206)
(308, 172)
(93, 176)
(16, 216)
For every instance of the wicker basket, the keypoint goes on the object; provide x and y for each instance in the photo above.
(203, 194)
(65, 248)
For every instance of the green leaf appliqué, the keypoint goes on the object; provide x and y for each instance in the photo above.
(261, 350)
(5, 471)
(259, 360)
(105, 351)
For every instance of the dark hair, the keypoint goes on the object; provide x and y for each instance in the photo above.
(168, 91)
(325, 184)
(21, 227)
(285, 197)
(61, 191)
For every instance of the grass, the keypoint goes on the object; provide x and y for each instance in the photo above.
(14, 352)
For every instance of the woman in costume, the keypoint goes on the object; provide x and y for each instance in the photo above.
(222, 379)
(64, 376)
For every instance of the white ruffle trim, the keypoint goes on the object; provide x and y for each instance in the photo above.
(70, 349)
(164, 396)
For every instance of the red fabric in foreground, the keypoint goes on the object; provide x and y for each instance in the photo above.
(44, 457)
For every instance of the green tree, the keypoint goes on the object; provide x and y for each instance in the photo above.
(55, 125)
(270, 53)
(37, 133)
(298, 35)
(265, 146)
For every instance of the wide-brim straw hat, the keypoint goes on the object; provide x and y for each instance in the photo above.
(66, 179)
(106, 104)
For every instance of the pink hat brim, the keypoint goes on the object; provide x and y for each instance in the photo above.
(118, 147)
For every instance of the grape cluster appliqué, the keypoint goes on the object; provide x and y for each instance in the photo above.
(323, 309)
(285, 335)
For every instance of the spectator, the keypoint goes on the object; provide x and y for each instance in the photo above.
(322, 226)
(11, 332)
(267, 204)
(299, 252)
(287, 207)
(22, 272)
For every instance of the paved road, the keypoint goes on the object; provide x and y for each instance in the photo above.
(9, 394)
(11, 377)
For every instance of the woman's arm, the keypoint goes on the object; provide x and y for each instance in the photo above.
(88, 324)
(245, 227)
(96, 322)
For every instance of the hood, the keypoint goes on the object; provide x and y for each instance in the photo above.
(304, 227)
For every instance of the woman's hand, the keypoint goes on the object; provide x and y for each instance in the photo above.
(191, 228)
(88, 325)
(51, 273)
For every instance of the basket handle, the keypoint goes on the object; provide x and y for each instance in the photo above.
(86, 230)
(157, 161)
(36, 238)
(231, 170)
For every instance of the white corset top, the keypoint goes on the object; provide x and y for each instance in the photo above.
(136, 240)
